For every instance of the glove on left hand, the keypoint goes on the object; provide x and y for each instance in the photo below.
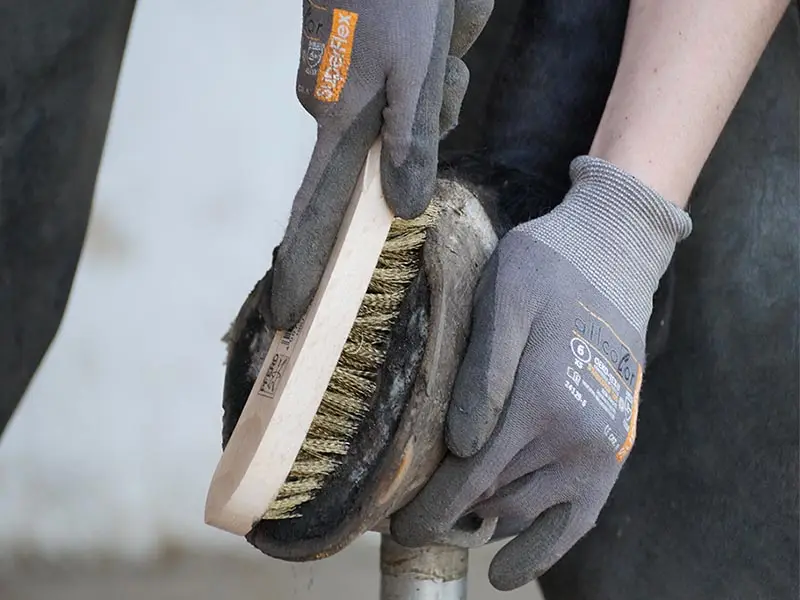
(544, 407)
(370, 67)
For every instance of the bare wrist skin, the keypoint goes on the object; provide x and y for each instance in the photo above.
(684, 65)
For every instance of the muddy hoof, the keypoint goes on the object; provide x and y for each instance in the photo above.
(399, 442)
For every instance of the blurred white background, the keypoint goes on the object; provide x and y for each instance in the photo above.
(114, 445)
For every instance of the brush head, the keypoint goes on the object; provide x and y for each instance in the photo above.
(378, 433)
(355, 382)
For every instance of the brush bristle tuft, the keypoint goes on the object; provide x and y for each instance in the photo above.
(354, 381)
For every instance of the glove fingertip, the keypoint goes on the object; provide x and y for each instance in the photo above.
(504, 581)
(404, 532)
(511, 568)
(408, 187)
(456, 81)
(411, 527)
(284, 318)
(285, 313)
(470, 18)
(528, 556)
(465, 433)
(291, 295)
(479, 395)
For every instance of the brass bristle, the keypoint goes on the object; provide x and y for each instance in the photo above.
(353, 383)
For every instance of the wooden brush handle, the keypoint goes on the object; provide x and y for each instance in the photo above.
(299, 366)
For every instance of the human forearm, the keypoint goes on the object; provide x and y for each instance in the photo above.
(684, 65)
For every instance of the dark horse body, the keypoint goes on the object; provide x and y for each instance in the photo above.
(706, 506)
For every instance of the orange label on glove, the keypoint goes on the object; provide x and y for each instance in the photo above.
(623, 452)
(332, 73)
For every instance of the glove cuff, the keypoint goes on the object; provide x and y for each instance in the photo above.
(618, 232)
(645, 208)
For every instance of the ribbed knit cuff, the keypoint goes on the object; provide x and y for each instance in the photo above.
(617, 231)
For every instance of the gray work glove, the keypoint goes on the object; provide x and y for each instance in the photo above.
(544, 407)
(370, 67)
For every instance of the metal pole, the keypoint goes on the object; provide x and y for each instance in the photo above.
(430, 573)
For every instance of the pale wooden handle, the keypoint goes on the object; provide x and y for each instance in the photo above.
(298, 367)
